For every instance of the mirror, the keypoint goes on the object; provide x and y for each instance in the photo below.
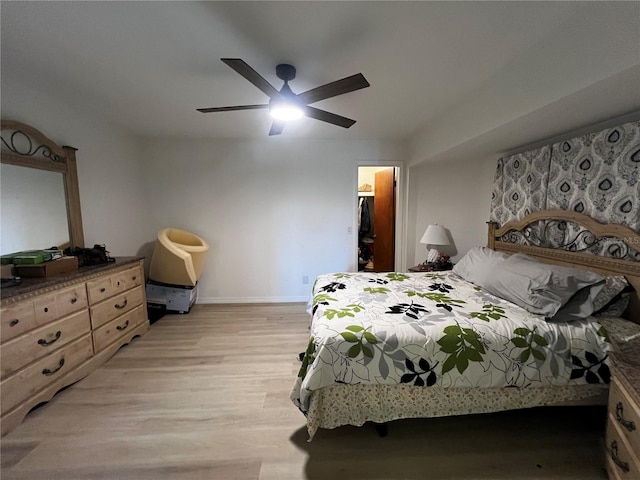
(34, 210)
(38, 191)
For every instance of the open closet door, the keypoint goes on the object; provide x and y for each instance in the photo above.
(384, 208)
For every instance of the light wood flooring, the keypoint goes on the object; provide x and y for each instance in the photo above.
(206, 396)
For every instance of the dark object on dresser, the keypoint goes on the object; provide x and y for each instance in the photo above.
(98, 255)
(11, 282)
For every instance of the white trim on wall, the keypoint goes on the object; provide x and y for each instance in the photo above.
(236, 300)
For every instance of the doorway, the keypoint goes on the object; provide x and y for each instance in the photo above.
(376, 247)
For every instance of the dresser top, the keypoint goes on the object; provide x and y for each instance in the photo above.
(30, 285)
(627, 364)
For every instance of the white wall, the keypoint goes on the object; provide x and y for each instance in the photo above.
(114, 209)
(455, 194)
(273, 210)
(367, 175)
(558, 68)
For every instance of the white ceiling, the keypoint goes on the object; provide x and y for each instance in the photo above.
(149, 65)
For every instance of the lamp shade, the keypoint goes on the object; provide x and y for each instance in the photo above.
(435, 235)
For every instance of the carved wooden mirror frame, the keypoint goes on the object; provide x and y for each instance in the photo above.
(24, 146)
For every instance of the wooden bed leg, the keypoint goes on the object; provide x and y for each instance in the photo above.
(382, 429)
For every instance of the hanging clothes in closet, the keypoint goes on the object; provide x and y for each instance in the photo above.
(364, 216)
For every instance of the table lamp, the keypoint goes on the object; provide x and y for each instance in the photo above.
(434, 235)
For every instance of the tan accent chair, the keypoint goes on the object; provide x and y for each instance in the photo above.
(178, 257)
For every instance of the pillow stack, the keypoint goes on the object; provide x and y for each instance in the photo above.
(558, 293)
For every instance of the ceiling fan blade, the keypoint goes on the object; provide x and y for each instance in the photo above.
(228, 109)
(276, 127)
(328, 117)
(250, 74)
(333, 89)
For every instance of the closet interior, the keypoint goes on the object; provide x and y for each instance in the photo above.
(366, 236)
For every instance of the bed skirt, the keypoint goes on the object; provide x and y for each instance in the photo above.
(340, 405)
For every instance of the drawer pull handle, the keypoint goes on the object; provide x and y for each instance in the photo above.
(122, 327)
(102, 290)
(74, 300)
(48, 372)
(624, 466)
(628, 424)
(120, 307)
(14, 322)
(46, 309)
(134, 278)
(45, 343)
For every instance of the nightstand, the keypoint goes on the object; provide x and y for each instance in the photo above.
(427, 268)
(623, 419)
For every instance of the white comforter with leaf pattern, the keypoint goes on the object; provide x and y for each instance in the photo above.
(438, 330)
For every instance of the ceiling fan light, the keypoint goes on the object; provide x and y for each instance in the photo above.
(285, 111)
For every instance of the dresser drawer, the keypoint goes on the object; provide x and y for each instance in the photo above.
(37, 343)
(625, 413)
(110, 332)
(113, 307)
(621, 460)
(45, 308)
(133, 277)
(43, 372)
(17, 319)
(57, 304)
(24, 316)
(104, 288)
(72, 299)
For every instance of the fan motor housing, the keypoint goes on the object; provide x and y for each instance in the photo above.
(285, 72)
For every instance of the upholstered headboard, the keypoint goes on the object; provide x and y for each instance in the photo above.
(566, 237)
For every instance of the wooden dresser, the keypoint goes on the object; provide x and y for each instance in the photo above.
(56, 331)
(623, 422)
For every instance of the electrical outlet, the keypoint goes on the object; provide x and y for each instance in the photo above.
(305, 279)
(349, 230)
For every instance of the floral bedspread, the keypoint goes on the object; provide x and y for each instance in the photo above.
(438, 330)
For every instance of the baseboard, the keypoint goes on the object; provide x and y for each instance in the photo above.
(205, 300)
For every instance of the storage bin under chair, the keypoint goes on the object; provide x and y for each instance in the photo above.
(178, 257)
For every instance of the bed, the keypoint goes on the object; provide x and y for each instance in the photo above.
(386, 346)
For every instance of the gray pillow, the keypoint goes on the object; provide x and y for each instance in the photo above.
(579, 306)
(478, 264)
(616, 307)
(545, 289)
(613, 285)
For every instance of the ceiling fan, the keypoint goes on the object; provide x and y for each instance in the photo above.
(284, 104)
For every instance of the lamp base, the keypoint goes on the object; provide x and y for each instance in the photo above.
(432, 255)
